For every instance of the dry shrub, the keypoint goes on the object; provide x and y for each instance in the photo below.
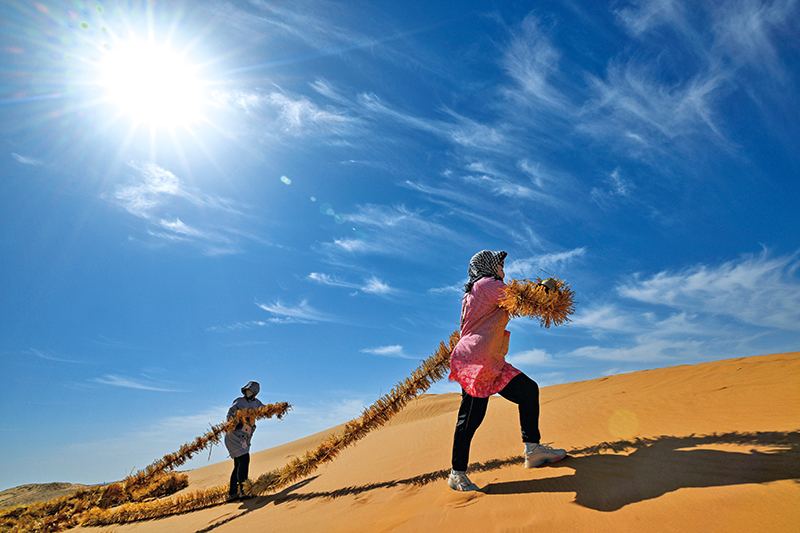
(529, 298)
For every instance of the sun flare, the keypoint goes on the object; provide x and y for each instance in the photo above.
(153, 85)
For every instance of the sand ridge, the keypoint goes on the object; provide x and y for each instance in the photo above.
(708, 447)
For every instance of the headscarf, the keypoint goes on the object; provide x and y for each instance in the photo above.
(251, 386)
(483, 265)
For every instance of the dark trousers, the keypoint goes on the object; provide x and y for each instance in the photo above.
(521, 390)
(241, 468)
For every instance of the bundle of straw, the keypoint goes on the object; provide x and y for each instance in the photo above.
(532, 299)
(97, 504)
(379, 413)
(431, 370)
(66, 511)
(212, 436)
(188, 502)
(133, 512)
(522, 298)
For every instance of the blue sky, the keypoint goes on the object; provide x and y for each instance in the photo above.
(294, 194)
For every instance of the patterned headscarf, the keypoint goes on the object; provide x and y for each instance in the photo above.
(483, 265)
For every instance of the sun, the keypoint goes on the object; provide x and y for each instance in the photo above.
(152, 84)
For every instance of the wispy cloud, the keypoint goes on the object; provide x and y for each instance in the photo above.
(27, 160)
(530, 358)
(450, 289)
(453, 127)
(530, 267)
(700, 312)
(617, 187)
(394, 230)
(193, 424)
(644, 112)
(372, 285)
(376, 286)
(243, 325)
(756, 290)
(635, 110)
(746, 31)
(300, 313)
(327, 279)
(141, 199)
(501, 185)
(283, 117)
(156, 191)
(644, 15)
(533, 62)
(607, 318)
(133, 383)
(49, 357)
(388, 351)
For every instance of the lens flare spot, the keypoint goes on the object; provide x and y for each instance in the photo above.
(326, 209)
(286, 180)
(623, 424)
(339, 219)
(313, 199)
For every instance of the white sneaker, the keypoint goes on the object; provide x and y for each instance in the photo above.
(460, 482)
(539, 454)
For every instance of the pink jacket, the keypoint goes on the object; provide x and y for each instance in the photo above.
(478, 361)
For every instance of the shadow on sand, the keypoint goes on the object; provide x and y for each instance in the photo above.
(610, 481)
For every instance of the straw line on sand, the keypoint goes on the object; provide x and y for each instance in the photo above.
(522, 298)
(95, 503)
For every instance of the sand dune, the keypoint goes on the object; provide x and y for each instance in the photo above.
(36, 492)
(709, 447)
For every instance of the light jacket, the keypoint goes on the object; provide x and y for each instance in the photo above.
(238, 441)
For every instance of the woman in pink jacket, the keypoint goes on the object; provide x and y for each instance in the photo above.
(478, 364)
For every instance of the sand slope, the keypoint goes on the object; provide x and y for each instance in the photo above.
(678, 475)
(36, 492)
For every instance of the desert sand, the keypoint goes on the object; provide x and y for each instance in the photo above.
(707, 447)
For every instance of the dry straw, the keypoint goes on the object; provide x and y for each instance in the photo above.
(530, 298)
(94, 503)
(66, 512)
(379, 413)
(212, 436)
(431, 370)
(522, 298)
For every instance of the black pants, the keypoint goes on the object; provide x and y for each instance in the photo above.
(521, 390)
(241, 467)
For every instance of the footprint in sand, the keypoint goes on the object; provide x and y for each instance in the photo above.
(462, 499)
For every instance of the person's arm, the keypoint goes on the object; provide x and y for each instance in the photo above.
(233, 409)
